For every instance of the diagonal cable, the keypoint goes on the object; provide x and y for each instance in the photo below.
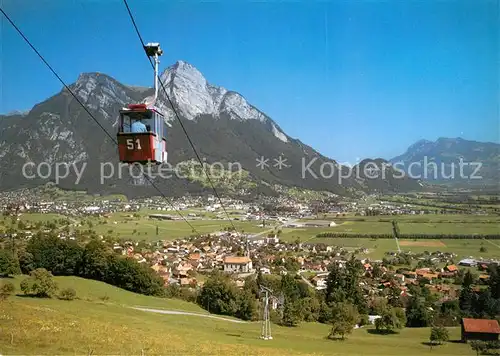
(85, 108)
(177, 115)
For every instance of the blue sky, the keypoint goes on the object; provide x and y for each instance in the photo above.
(353, 79)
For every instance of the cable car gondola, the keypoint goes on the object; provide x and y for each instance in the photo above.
(142, 130)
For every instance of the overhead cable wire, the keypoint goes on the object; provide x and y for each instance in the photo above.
(85, 108)
(176, 114)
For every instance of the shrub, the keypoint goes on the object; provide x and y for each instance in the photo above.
(39, 284)
(439, 335)
(6, 290)
(67, 294)
(364, 320)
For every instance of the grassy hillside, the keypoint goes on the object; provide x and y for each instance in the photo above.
(95, 291)
(50, 326)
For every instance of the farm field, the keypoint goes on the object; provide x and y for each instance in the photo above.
(306, 233)
(141, 227)
(437, 218)
(448, 224)
(449, 228)
(36, 217)
(124, 224)
(145, 229)
(378, 247)
(50, 326)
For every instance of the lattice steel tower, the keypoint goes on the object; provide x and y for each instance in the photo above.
(266, 322)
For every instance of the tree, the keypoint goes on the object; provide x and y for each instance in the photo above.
(478, 346)
(342, 285)
(252, 286)
(395, 229)
(394, 297)
(355, 270)
(9, 263)
(466, 299)
(310, 307)
(290, 288)
(61, 257)
(336, 285)
(291, 314)
(449, 313)
(344, 318)
(325, 313)
(485, 306)
(390, 319)
(219, 295)
(494, 282)
(417, 314)
(127, 273)
(439, 335)
(377, 271)
(39, 284)
(247, 306)
(468, 279)
(94, 264)
(6, 290)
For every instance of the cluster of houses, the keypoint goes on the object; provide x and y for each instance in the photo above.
(184, 261)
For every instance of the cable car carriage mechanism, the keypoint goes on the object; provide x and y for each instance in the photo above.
(142, 130)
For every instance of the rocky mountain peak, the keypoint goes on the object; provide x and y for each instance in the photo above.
(223, 124)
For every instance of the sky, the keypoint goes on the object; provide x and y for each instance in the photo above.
(353, 79)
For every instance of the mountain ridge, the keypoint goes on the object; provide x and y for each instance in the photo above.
(224, 126)
(447, 153)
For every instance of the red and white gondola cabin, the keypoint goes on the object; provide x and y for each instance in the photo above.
(142, 147)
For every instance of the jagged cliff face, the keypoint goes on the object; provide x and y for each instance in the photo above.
(222, 124)
(193, 96)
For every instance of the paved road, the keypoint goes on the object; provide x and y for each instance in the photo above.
(260, 234)
(491, 242)
(277, 227)
(177, 312)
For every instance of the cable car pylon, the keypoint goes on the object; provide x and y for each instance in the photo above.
(266, 322)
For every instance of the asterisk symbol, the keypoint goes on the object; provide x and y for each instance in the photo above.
(370, 171)
(280, 163)
(262, 162)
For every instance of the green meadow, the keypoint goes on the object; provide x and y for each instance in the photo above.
(96, 325)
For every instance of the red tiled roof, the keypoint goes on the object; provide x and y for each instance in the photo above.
(481, 326)
(237, 260)
(452, 268)
(194, 256)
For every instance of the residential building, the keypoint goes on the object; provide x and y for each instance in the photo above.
(235, 264)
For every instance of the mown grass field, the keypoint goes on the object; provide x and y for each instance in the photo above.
(449, 228)
(144, 228)
(51, 326)
(445, 218)
(378, 247)
(141, 227)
